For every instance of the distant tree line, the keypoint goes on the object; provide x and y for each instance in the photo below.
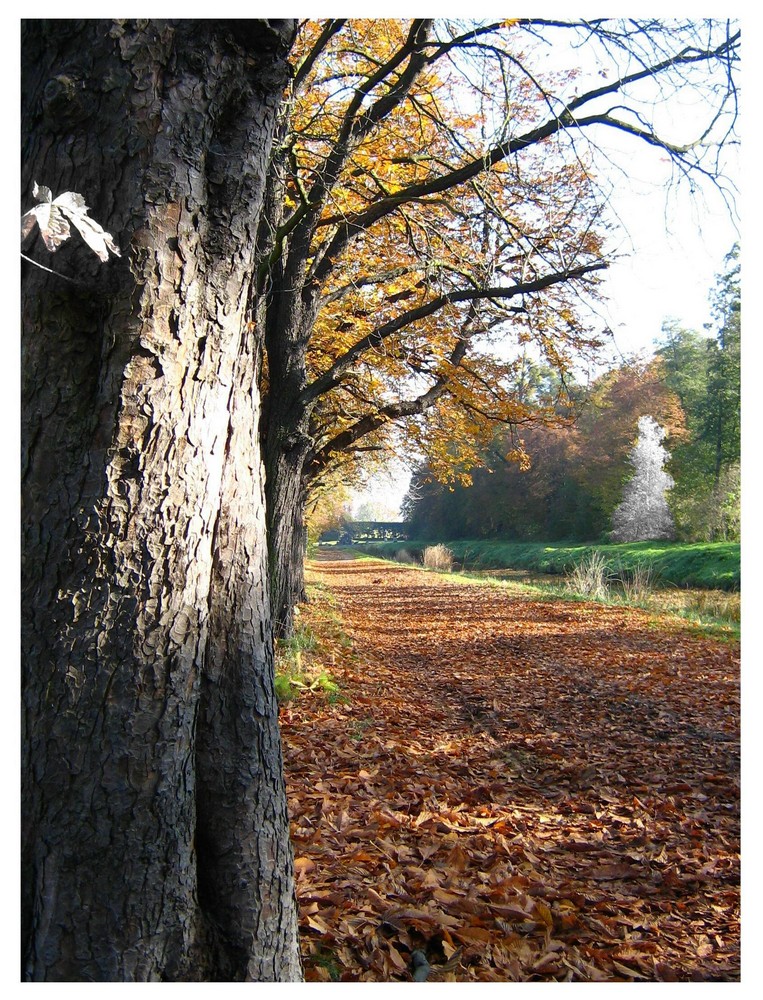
(571, 471)
(365, 531)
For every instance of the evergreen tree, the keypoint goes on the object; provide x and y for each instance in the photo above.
(644, 512)
(704, 371)
(722, 410)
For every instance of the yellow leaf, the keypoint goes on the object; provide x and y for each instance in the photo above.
(544, 913)
(318, 924)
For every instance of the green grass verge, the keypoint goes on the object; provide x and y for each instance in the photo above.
(709, 613)
(710, 566)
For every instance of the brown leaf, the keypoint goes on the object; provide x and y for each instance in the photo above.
(397, 959)
(495, 837)
(619, 871)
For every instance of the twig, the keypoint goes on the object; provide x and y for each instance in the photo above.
(50, 270)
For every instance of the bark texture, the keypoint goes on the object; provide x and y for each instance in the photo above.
(286, 534)
(287, 311)
(155, 832)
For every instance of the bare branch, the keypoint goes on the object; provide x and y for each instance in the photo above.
(563, 120)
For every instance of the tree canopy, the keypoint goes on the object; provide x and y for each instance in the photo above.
(407, 324)
(574, 470)
(435, 210)
(435, 183)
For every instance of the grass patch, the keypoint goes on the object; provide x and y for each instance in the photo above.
(710, 566)
(304, 663)
(712, 613)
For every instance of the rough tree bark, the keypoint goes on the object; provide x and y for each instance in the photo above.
(285, 445)
(286, 506)
(154, 822)
(287, 306)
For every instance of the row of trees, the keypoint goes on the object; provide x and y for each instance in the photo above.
(325, 230)
(433, 207)
(572, 479)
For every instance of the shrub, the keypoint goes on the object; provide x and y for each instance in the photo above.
(715, 604)
(590, 577)
(638, 583)
(438, 557)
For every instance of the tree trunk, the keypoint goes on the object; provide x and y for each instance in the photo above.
(287, 537)
(287, 314)
(154, 825)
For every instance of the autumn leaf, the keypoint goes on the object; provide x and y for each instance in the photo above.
(641, 886)
(607, 872)
(380, 334)
(53, 218)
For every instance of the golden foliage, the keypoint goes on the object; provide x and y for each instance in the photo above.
(406, 325)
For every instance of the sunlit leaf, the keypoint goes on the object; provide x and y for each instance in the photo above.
(53, 218)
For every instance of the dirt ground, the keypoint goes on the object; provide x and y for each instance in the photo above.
(516, 789)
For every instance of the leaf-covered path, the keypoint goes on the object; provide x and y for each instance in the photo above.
(521, 789)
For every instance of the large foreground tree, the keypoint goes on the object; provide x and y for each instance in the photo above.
(432, 208)
(155, 831)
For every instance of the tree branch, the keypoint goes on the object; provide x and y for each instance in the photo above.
(332, 27)
(356, 125)
(330, 379)
(349, 225)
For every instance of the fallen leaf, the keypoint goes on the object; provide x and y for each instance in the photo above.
(496, 722)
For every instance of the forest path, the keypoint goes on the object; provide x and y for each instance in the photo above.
(533, 789)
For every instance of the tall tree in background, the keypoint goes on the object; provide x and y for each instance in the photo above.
(431, 193)
(154, 826)
(644, 514)
(704, 371)
(723, 412)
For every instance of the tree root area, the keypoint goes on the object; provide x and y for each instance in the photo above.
(518, 789)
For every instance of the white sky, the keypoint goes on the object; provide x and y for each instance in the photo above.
(667, 274)
(673, 245)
